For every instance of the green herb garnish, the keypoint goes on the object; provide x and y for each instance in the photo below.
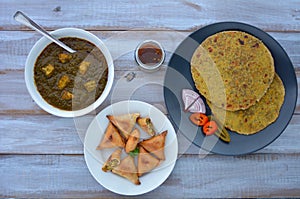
(134, 152)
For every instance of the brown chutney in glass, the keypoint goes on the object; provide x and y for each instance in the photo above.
(150, 54)
(71, 81)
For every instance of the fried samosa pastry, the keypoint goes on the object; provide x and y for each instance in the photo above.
(132, 141)
(146, 162)
(146, 124)
(156, 145)
(124, 123)
(127, 169)
(113, 160)
(111, 138)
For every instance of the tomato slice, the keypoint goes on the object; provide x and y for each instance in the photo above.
(199, 119)
(210, 128)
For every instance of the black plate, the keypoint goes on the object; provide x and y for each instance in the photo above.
(178, 77)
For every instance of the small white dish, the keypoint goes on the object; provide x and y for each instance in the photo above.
(141, 53)
(95, 158)
(36, 50)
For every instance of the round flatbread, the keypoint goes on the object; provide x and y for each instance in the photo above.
(258, 116)
(232, 69)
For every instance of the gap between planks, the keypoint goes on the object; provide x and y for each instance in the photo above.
(256, 175)
(148, 30)
(52, 135)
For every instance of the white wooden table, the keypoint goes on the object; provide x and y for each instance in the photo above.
(42, 155)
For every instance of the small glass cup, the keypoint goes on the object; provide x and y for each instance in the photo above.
(149, 55)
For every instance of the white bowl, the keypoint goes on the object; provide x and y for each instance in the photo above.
(36, 50)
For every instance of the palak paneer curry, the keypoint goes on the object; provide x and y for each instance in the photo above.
(71, 81)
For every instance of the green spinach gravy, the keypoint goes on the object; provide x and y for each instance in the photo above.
(71, 81)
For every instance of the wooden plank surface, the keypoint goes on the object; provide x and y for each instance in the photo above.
(15, 99)
(62, 176)
(42, 155)
(45, 134)
(15, 46)
(277, 15)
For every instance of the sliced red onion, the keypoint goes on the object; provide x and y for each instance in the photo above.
(189, 97)
(192, 101)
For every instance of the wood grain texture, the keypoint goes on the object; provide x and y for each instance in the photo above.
(41, 156)
(15, 99)
(16, 45)
(61, 176)
(277, 15)
(46, 134)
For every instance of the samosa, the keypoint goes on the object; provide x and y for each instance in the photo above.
(146, 124)
(113, 160)
(124, 123)
(111, 138)
(146, 162)
(127, 169)
(156, 145)
(132, 141)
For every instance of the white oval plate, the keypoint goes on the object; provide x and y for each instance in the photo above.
(95, 158)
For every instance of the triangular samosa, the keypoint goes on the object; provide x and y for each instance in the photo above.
(111, 138)
(156, 145)
(127, 169)
(146, 162)
(113, 160)
(124, 123)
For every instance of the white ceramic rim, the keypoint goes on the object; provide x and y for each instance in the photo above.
(145, 66)
(40, 45)
(95, 160)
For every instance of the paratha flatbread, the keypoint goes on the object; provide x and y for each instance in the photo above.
(232, 69)
(257, 117)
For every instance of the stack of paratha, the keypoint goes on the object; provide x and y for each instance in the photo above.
(235, 72)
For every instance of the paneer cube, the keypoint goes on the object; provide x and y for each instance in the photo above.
(90, 85)
(48, 69)
(83, 67)
(63, 81)
(64, 58)
(66, 95)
